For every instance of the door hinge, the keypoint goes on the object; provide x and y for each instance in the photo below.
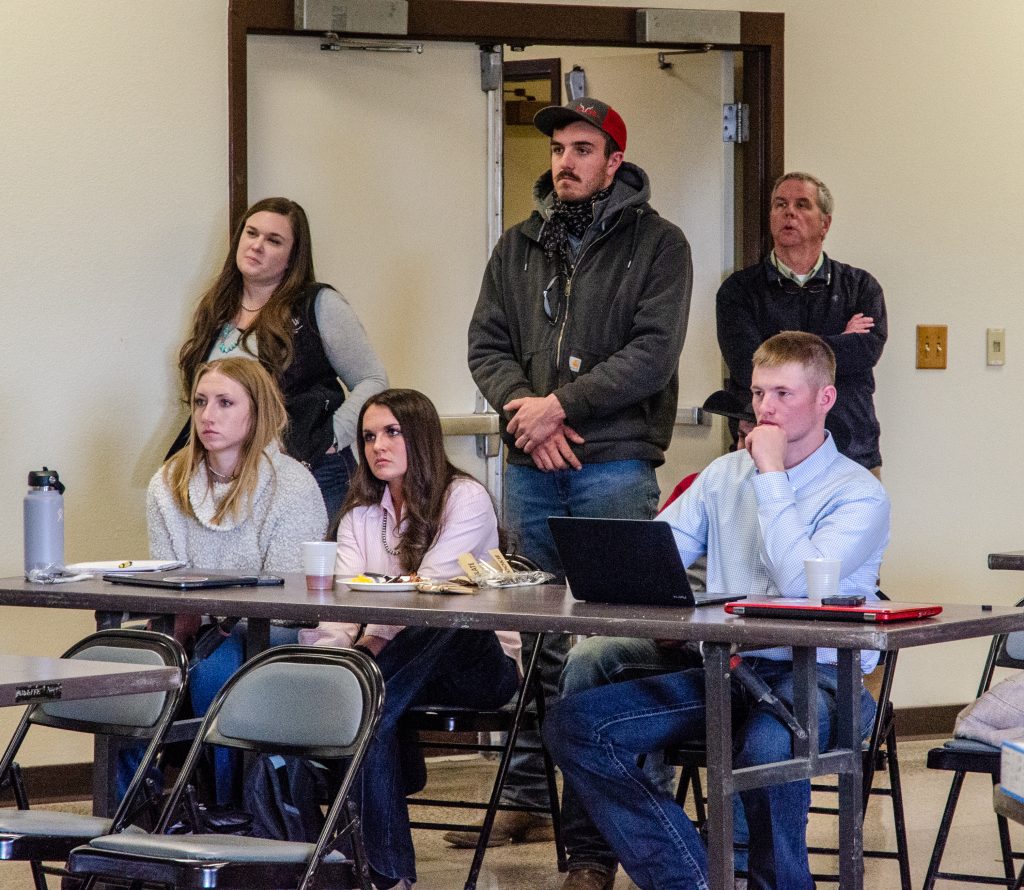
(736, 122)
(490, 68)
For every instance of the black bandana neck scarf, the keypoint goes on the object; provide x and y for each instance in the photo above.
(569, 218)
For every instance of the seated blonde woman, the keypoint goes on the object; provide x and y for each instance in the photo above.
(409, 510)
(232, 500)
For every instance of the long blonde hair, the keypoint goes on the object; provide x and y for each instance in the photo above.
(267, 421)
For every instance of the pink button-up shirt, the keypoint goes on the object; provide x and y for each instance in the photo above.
(467, 526)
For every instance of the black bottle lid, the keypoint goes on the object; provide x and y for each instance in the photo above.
(45, 478)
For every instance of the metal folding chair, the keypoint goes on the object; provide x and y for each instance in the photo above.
(38, 836)
(964, 756)
(509, 720)
(305, 701)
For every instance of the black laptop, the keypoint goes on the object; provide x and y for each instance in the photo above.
(189, 580)
(632, 561)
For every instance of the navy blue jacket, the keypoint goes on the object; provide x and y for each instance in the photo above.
(757, 302)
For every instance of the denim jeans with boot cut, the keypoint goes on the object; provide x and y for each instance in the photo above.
(421, 665)
(596, 735)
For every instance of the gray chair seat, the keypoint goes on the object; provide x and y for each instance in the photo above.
(211, 848)
(51, 822)
(313, 702)
(971, 745)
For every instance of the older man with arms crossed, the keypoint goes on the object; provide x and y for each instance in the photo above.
(576, 340)
(757, 514)
(798, 287)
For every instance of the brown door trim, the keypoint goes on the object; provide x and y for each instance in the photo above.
(535, 69)
(761, 43)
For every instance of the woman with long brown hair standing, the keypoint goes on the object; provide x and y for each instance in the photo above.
(266, 304)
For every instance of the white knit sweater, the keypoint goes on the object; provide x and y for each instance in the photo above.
(287, 509)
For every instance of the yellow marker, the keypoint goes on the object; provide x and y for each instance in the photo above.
(124, 565)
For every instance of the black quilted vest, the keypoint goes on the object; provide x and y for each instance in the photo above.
(312, 391)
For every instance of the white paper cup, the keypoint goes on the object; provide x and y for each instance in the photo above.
(318, 562)
(822, 577)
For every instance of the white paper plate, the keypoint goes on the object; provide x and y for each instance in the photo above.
(370, 587)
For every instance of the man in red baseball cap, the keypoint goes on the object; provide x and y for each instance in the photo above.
(590, 111)
(575, 340)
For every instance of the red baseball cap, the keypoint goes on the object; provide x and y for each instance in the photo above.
(588, 110)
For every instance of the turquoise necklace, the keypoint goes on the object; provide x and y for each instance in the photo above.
(224, 342)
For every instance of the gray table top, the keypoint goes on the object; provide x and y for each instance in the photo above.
(547, 608)
(27, 679)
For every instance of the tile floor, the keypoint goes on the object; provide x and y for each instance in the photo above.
(973, 844)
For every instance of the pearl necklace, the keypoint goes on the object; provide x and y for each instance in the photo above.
(249, 308)
(384, 535)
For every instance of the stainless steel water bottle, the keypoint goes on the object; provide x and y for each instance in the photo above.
(44, 524)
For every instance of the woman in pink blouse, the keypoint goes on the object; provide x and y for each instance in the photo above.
(409, 510)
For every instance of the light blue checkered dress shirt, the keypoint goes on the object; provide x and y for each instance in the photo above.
(758, 528)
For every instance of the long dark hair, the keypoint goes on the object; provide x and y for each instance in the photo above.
(428, 476)
(273, 327)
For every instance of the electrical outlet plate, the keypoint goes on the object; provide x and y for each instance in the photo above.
(931, 346)
(995, 351)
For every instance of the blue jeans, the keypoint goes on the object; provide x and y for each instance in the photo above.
(421, 665)
(332, 475)
(600, 661)
(596, 735)
(622, 489)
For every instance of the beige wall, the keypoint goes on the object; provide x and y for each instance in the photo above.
(113, 147)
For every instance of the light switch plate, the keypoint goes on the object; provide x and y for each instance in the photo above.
(931, 346)
(995, 351)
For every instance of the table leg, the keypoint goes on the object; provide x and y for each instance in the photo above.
(718, 718)
(257, 636)
(105, 748)
(851, 791)
(805, 701)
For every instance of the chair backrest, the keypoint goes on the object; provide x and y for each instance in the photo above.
(130, 715)
(1010, 652)
(145, 715)
(308, 701)
(1006, 651)
(281, 704)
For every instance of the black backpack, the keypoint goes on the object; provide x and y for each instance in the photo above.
(283, 795)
